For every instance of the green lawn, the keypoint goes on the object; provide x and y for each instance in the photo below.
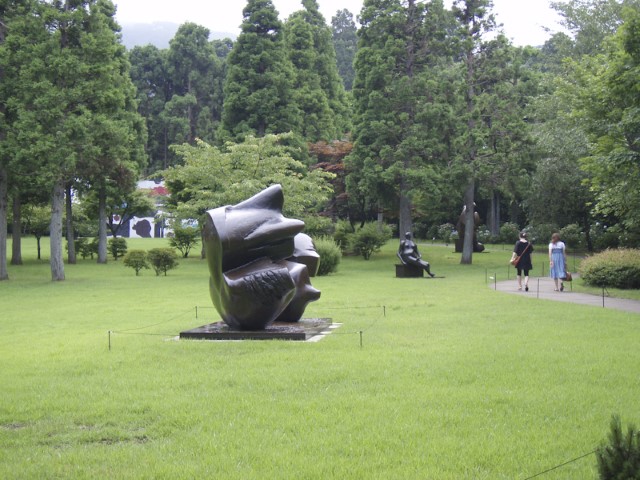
(453, 379)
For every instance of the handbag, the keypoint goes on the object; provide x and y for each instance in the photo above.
(515, 261)
(567, 277)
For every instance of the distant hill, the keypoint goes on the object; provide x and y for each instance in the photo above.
(157, 33)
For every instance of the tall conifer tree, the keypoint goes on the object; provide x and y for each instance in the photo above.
(258, 87)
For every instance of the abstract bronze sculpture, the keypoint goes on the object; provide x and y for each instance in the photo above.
(409, 255)
(259, 262)
(477, 246)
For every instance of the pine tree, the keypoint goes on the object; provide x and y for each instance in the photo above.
(345, 43)
(258, 87)
(397, 142)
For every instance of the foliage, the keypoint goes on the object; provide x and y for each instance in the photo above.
(117, 247)
(184, 239)
(318, 91)
(444, 232)
(317, 226)
(136, 259)
(369, 238)
(162, 260)
(541, 233)
(573, 236)
(87, 248)
(618, 268)
(330, 255)
(509, 232)
(342, 234)
(345, 42)
(259, 99)
(211, 177)
(619, 459)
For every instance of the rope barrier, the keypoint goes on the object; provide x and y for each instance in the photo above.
(561, 465)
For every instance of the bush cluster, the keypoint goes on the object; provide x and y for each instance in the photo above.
(316, 226)
(136, 259)
(330, 255)
(612, 268)
(445, 231)
(161, 259)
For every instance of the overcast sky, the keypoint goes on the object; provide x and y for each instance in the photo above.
(522, 19)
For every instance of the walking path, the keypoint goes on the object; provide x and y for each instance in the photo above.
(542, 287)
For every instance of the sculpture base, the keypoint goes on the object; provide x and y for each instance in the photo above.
(303, 330)
(409, 271)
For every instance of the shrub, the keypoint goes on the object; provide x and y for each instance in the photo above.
(509, 232)
(612, 268)
(541, 234)
(162, 260)
(620, 458)
(445, 231)
(330, 255)
(184, 239)
(573, 236)
(342, 234)
(316, 226)
(367, 240)
(483, 234)
(136, 259)
(117, 247)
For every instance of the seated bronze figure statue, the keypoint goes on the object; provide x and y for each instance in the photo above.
(259, 262)
(409, 255)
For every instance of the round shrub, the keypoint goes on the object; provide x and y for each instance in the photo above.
(612, 268)
(330, 255)
(136, 259)
(163, 259)
(509, 233)
(541, 234)
(370, 238)
(117, 247)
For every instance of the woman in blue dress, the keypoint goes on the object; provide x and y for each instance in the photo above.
(557, 261)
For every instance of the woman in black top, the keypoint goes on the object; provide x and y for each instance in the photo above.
(523, 249)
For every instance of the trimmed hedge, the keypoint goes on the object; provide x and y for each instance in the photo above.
(618, 268)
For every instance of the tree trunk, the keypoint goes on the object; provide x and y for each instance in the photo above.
(102, 226)
(38, 237)
(4, 203)
(71, 245)
(406, 224)
(380, 216)
(469, 225)
(494, 214)
(55, 229)
(16, 232)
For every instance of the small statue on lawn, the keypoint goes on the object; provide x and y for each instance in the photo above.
(409, 255)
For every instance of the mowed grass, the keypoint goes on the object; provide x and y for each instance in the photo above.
(425, 379)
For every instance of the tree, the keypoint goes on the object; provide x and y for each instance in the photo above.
(475, 20)
(149, 73)
(400, 125)
(211, 177)
(609, 106)
(345, 43)
(121, 206)
(184, 239)
(162, 260)
(591, 21)
(36, 221)
(258, 87)
(136, 259)
(196, 75)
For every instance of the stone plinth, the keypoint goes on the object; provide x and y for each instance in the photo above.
(409, 271)
(302, 330)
